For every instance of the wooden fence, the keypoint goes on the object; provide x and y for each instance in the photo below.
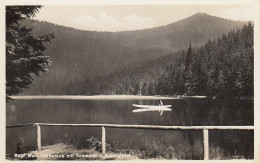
(205, 130)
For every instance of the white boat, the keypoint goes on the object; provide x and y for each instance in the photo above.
(144, 108)
(151, 106)
(154, 109)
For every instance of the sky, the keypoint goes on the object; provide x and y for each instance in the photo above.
(135, 17)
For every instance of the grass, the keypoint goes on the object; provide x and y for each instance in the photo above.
(90, 149)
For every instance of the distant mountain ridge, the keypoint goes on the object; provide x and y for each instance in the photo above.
(196, 29)
(85, 55)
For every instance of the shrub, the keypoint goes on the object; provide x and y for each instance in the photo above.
(91, 143)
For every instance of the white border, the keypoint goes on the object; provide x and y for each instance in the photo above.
(256, 3)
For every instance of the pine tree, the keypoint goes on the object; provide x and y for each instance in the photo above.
(190, 76)
(24, 51)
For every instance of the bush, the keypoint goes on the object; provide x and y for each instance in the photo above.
(154, 149)
(92, 143)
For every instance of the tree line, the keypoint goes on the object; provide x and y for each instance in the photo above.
(222, 67)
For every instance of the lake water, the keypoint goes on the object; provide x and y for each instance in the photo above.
(185, 112)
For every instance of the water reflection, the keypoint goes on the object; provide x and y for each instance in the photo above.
(185, 112)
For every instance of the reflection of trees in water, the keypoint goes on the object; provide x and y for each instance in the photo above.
(184, 112)
(215, 112)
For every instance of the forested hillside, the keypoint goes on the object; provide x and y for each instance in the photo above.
(82, 55)
(223, 67)
(195, 29)
(88, 62)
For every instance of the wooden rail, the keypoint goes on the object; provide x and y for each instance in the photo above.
(205, 130)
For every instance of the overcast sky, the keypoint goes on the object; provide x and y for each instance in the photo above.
(133, 17)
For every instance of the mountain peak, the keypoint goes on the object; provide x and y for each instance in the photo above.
(200, 14)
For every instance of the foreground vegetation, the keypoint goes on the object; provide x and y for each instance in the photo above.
(90, 149)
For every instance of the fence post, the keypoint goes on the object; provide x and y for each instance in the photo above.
(206, 144)
(103, 140)
(38, 137)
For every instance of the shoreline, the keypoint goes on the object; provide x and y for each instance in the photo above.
(102, 97)
(116, 97)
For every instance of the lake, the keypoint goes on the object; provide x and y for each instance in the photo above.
(185, 112)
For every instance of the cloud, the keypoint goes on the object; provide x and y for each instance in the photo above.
(104, 22)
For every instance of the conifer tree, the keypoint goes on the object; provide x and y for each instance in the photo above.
(189, 76)
(24, 51)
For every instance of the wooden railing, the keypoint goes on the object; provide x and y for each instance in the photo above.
(205, 130)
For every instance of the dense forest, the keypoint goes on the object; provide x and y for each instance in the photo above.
(150, 61)
(222, 67)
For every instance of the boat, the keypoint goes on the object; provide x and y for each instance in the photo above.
(154, 109)
(144, 108)
(151, 106)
